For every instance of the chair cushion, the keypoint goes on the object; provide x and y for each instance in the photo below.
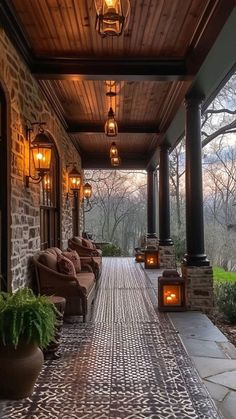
(49, 260)
(73, 256)
(86, 281)
(77, 240)
(65, 266)
(87, 243)
(97, 260)
(53, 250)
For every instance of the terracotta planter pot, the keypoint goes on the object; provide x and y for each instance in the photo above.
(19, 370)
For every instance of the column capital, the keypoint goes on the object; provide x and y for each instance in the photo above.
(194, 98)
(165, 147)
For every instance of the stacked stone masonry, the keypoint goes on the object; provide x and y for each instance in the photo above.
(167, 257)
(199, 287)
(25, 101)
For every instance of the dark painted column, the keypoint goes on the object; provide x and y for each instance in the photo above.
(151, 204)
(164, 198)
(194, 197)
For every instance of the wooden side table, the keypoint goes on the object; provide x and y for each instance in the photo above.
(51, 351)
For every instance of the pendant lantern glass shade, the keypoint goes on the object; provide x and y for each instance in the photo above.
(112, 16)
(74, 180)
(111, 128)
(115, 161)
(113, 150)
(87, 191)
(41, 148)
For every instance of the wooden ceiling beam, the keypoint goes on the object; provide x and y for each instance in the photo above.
(125, 69)
(123, 128)
(103, 162)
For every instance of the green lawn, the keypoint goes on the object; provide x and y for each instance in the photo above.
(221, 275)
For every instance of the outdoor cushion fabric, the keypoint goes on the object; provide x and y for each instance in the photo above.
(65, 266)
(49, 260)
(73, 256)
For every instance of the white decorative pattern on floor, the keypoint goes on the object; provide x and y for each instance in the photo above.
(126, 363)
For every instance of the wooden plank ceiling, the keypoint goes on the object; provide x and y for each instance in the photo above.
(167, 29)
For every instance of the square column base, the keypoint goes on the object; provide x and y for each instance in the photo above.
(199, 288)
(167, 257)
(152, 241)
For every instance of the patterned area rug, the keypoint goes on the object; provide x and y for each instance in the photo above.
(126, 363)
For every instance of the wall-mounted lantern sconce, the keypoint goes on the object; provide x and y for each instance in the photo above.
(113, 150)
(112, 16)
(115, 161)
(74, 181)
(87, 191)
(40, 149)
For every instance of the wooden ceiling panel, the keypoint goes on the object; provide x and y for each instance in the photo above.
(85, 101)
(99, 144)
(66, 28)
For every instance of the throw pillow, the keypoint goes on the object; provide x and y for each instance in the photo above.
(73, 256)
(65, 266)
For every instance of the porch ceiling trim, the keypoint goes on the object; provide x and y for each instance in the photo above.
(123, 128)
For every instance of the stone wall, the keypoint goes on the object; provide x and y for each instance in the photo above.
(26, 102)
(199, 287)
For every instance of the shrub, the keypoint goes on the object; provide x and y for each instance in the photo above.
(226, 299)
(111, 250)
(26, 317)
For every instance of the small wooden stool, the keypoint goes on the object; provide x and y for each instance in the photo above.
(51, 351)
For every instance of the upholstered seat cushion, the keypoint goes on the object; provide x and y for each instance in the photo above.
(86, 281)
(97, 260)
(49, 260)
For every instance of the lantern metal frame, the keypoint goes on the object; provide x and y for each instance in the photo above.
(149, 252)
(114, 15)
(42, 140)
(171, 278)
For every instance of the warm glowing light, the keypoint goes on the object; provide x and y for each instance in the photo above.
(111, 3)
(41, 158)
(74, 179)
(113, 150)
(112, 16)
(172, 294)
(87, 191)
(115, 161)
(111, 128)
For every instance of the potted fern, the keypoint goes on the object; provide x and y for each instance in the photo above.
(27, 323)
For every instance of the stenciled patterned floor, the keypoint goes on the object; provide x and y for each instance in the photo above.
(126, 363)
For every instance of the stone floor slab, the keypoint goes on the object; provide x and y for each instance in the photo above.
(217, 391)
(193, 324)
(227, 379)
(208, 367)
(229, 406)
(199, 347)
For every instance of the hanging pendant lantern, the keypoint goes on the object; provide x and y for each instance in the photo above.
(111, 127)
(112, 16)
(115, 161)
(113, 150)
